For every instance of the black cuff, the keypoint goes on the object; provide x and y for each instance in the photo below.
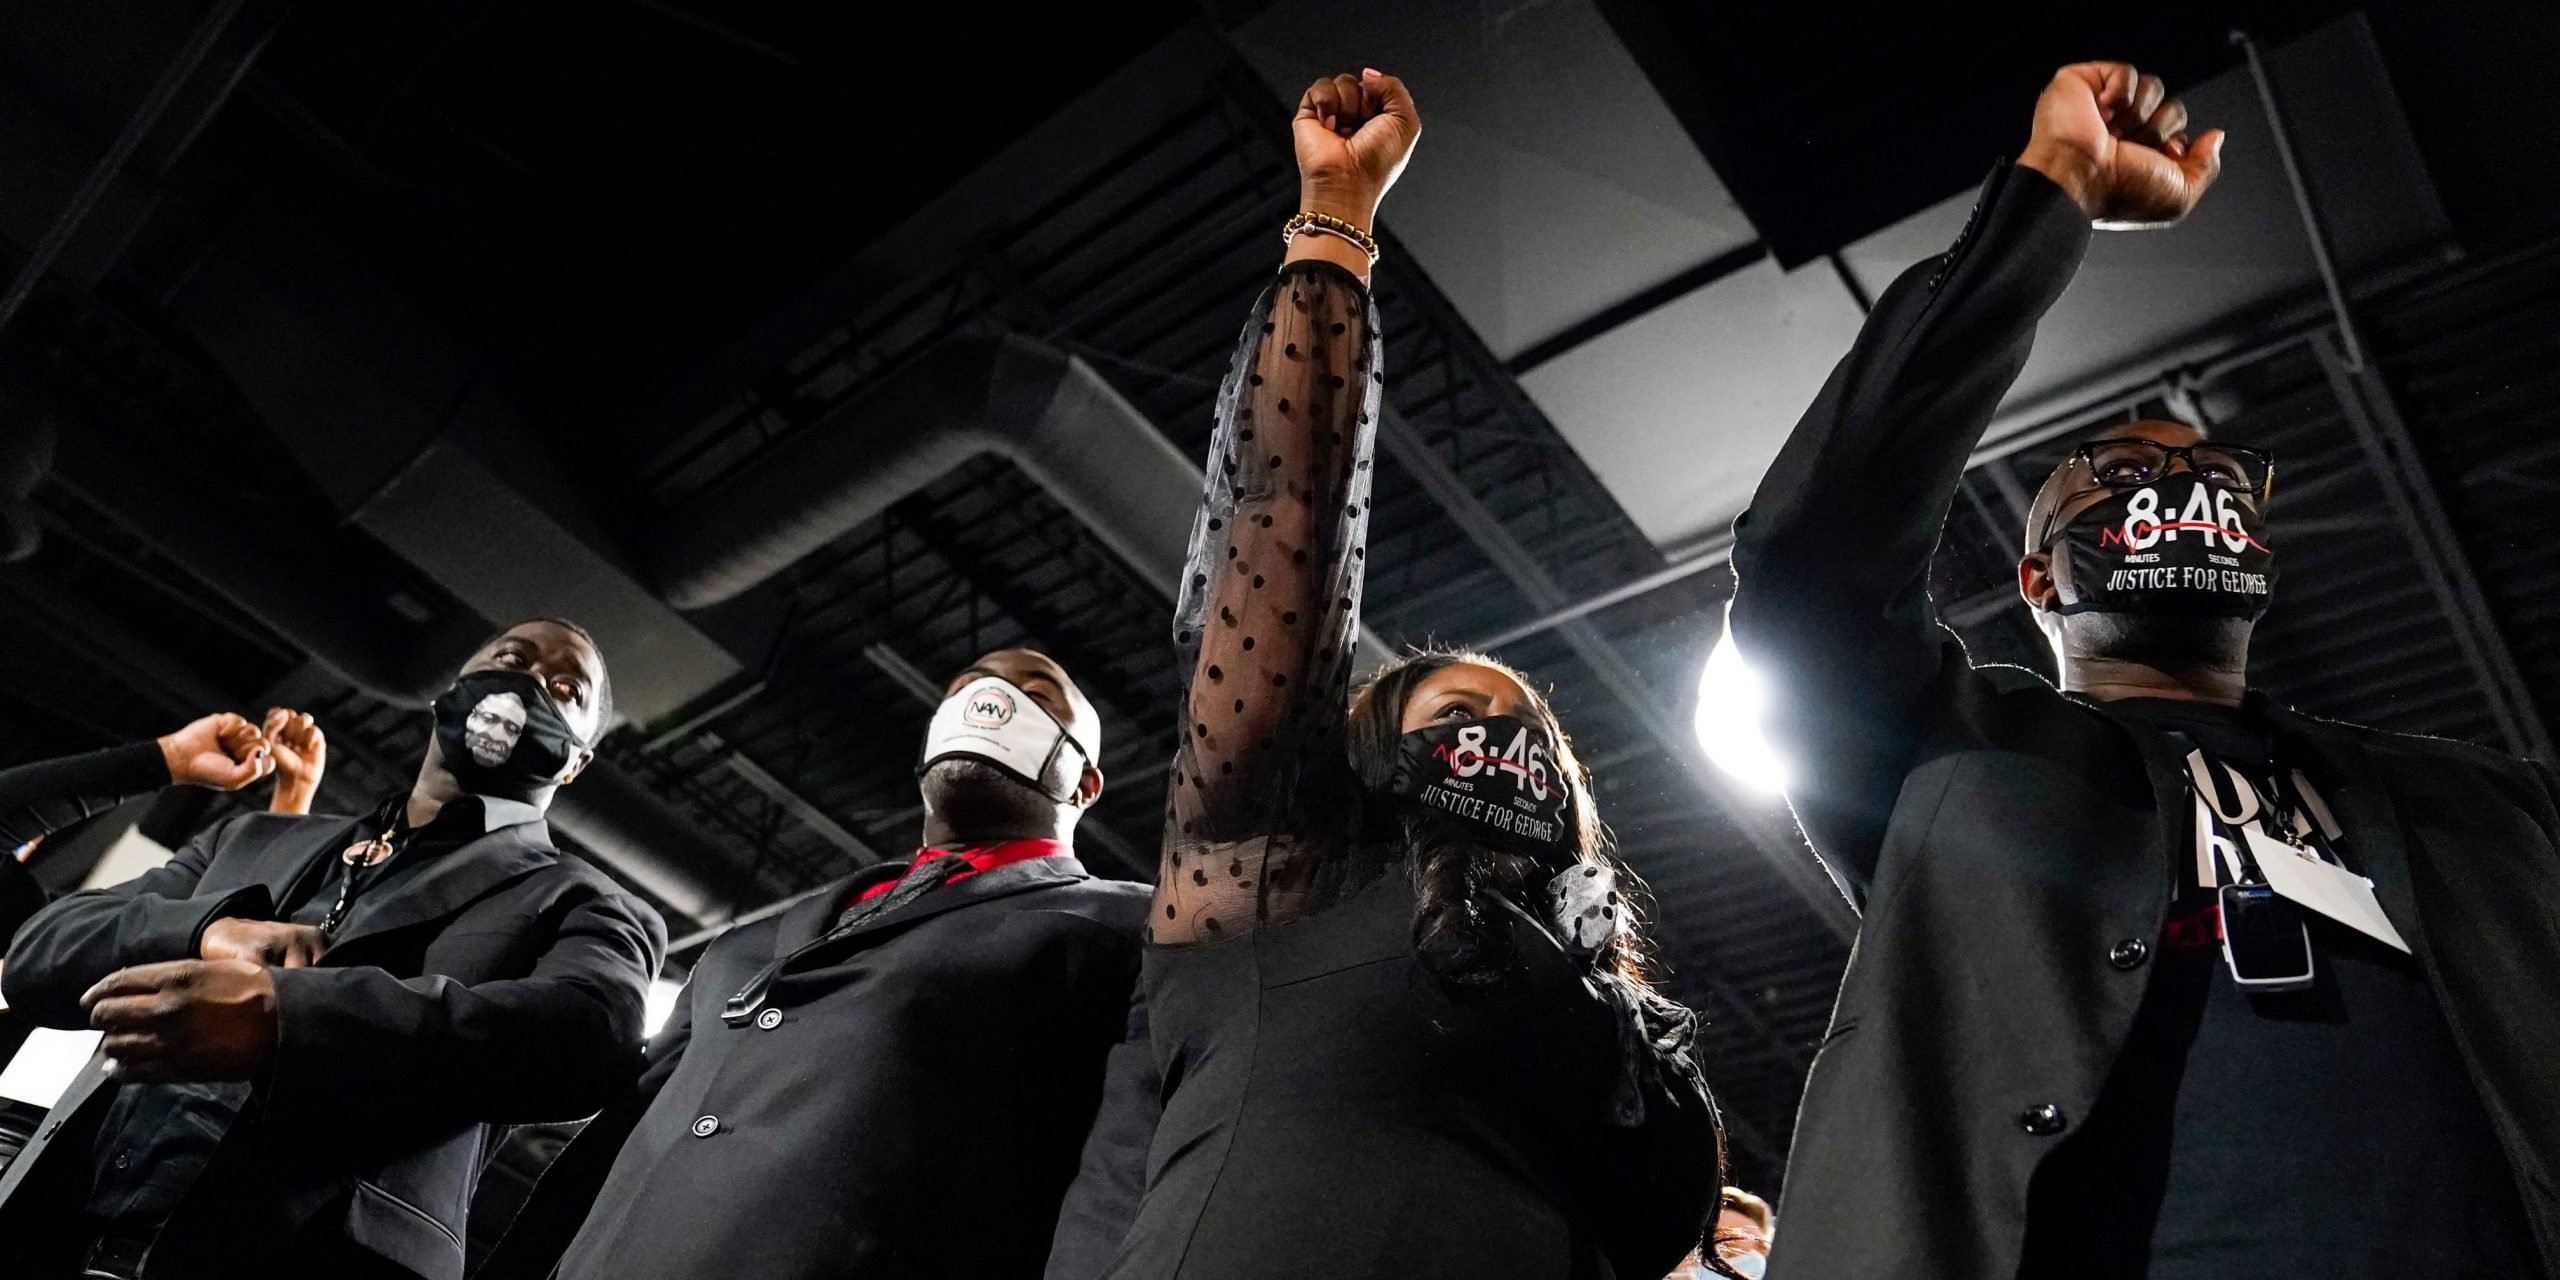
(252, 902)
(1318, 266)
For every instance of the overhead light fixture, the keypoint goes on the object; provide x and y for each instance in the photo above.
(1732, 705)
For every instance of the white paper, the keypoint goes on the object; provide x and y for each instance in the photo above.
(46, 1063)
(2325, 887)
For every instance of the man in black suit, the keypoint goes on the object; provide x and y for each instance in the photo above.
(896, 1077)
(315, 1028)
(2157, 977)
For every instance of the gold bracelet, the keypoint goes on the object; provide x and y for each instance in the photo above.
(1310, 220)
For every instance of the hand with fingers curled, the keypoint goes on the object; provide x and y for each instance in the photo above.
(286, 946)
(301, 754)
(196, 1021)
(2116, 141)
(1352, 135)
(222, 751)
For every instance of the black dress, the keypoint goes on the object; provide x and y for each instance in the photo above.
(1331, 1109)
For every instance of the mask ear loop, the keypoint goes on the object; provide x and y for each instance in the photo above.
(1065, 740)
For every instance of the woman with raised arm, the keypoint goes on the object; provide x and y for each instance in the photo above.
(1396, 995)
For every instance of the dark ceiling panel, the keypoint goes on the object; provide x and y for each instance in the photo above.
(1829, 121)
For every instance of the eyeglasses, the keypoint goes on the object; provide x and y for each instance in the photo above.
(2132, 462)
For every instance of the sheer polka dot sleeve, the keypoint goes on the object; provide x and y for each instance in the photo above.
(1269, 613)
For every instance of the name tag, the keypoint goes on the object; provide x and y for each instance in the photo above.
(2333, 891)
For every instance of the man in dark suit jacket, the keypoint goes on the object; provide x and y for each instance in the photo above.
(2124, 1002)
(315, 1028)
(896, 1076)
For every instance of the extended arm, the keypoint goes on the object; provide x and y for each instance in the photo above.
(221, 751)
(1269, 607)
(1831, 559)
(80, 939)
(52, 794)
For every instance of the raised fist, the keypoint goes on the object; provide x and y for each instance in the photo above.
(1353, 135)
(2117, 142)
(222, 751)
(301, 753)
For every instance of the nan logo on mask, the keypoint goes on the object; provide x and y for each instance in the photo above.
(493, 726)
(986, 706)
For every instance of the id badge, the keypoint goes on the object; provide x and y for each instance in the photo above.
(2264, 939)
(2331, 890)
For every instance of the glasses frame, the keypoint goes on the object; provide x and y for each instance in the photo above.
(2082, 452)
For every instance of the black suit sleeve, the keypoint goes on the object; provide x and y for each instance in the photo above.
(566, 1191)
(1831, 561)
(558, 1043)
(73, 943)
(52, 794)
(1112, 1173)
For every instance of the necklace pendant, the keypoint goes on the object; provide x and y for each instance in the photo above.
(366, 853)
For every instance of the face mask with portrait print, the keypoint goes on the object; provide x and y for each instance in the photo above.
(501, 735)
(2176, 547)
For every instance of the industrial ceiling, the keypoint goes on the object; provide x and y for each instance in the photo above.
(802, 369)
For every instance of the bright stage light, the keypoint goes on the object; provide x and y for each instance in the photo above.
(660, 1005)
(1732, 703)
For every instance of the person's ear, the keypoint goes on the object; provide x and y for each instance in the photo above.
(2035, 581)
(577, 766)
(1088, 786)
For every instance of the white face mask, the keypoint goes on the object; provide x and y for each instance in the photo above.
(1753, 1265)
(991, 720)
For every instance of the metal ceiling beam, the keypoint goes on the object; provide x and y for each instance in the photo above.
(2392, 455)
(2398, 466)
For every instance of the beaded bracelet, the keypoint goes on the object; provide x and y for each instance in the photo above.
(1310, 220)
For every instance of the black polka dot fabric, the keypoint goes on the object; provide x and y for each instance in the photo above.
(1269, 642)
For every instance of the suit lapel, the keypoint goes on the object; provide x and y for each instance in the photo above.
(452, 881)
(1021, 877)
(809, 917)
(276, 860)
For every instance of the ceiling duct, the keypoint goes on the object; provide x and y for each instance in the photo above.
(1039, 408)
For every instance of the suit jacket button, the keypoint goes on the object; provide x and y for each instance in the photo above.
(769, 1019)
(708, 1125)
(2043, 1120)
(2129, 954)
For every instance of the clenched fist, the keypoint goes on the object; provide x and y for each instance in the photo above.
(185, 1020)
(301, 753)
(1353, 135)
(222, 751)
(2117, 142)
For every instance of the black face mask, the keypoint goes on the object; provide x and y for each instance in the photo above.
(1496, 778)
(2176, 547)
(501, 735)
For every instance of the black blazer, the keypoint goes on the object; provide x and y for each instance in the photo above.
(914, 1100)
(500, 985)
(2007, 841)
